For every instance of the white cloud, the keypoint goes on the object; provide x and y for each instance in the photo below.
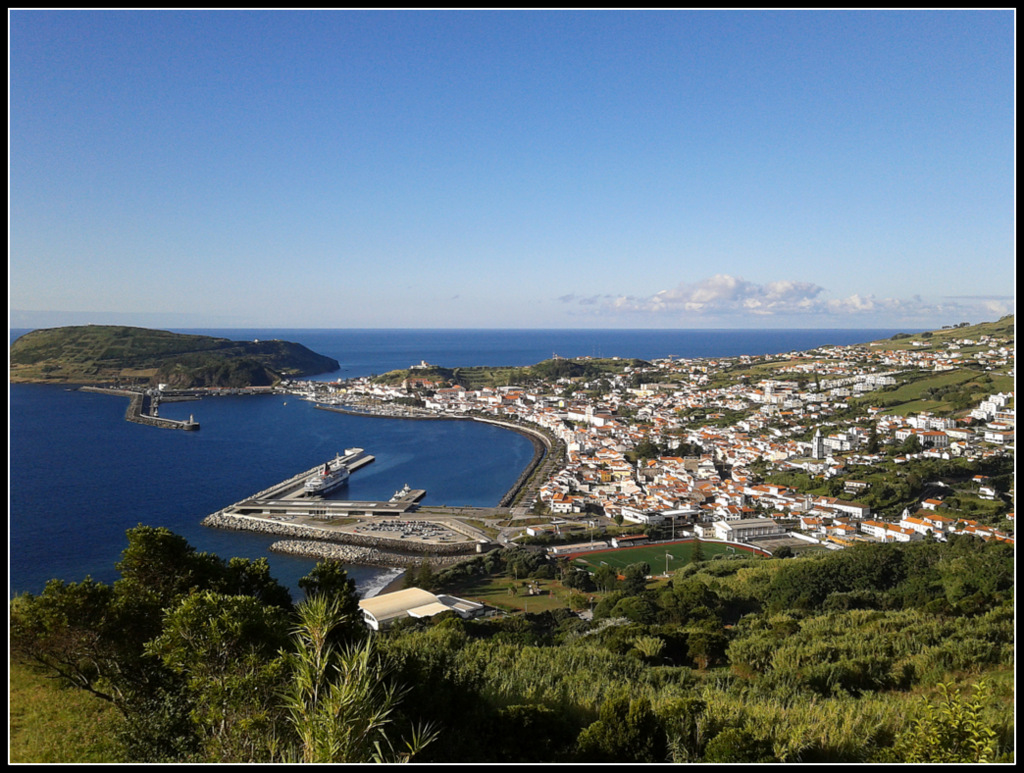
(723, 296)
(724, 293)
(998, 308)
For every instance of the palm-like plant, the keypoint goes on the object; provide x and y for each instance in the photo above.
(340, 701)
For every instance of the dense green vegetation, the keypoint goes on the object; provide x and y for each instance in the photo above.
(894, 487)
(546, 372)
(106, 353)
(878, 653)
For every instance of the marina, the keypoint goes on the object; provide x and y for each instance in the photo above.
(294, 497)
(374, 532)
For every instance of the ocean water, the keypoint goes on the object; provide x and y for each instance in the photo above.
(80, 475)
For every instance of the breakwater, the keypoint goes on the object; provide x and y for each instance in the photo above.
(272, 527)
(356, 554)
(142, 409)
(315, 541)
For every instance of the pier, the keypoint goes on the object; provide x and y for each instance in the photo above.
(289, 498)
(286, 510)
(143, 408)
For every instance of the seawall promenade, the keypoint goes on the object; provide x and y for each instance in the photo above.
(542, 443)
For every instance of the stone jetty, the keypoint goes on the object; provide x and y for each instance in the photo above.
(316, 541)
(357, 554)
(143, 408)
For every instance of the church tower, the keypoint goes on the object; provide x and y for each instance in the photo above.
(818, 445)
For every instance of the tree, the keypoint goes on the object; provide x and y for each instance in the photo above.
(626, 731)
(68, 631)
(873, 441)
(646, 449)
(697, 552)
(341, 702)
(649, 648)
(226, 649)
(425, 576)
(685, 720)
(331, 580)
(690, 600)
(951, 730)
(735, 744)
(578, 579)
(160, 566)
(527, 733)
(707, 648)
(605, 577)
(636, 609)
(911, 445)
(578, 601)
(246, 577)
(95, 636)
(636, 578)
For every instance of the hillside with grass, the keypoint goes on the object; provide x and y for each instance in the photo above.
(956, 371)
(548, 371)
(881, 653)
(1003, 328)
(94, 354)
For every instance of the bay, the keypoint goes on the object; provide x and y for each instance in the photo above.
(80, 475)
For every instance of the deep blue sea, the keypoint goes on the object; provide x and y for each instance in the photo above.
(80, 475)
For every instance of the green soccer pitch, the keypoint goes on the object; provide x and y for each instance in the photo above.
(674, 555)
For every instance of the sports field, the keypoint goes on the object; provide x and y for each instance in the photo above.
(674, 555)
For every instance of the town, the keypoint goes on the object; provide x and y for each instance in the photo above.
(819, 446)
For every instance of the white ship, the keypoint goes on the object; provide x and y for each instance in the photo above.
(333, 474)
(401, 493)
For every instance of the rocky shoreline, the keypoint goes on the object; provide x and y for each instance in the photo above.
(358, 554)
(314, 542)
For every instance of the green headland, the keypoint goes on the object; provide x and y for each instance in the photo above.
(95, 354)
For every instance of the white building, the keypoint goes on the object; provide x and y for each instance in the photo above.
(381, 611)
(889, 532)
(646, 517)
(746, 529)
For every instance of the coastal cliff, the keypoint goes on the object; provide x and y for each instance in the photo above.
(94, 354)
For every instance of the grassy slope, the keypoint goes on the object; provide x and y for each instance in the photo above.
(95, 353)
(496, 376)
(1001, 328)
(50, 723)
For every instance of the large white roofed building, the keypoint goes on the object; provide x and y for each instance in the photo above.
(380, 611)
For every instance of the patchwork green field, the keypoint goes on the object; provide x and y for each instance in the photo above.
(670, 555)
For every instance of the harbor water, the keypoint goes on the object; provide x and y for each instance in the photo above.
(80, 475)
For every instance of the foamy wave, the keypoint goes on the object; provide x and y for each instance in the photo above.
(377, 583)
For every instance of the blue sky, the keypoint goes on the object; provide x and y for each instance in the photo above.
(511, 169)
